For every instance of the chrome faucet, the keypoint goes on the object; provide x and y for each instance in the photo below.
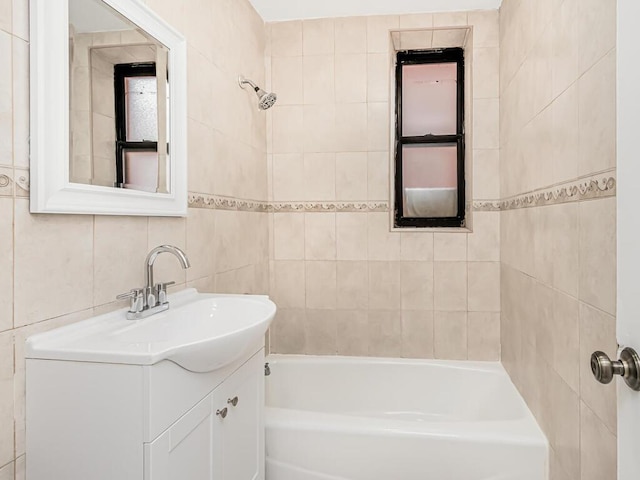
(153, 297)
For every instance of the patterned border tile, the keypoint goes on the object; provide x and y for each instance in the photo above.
(216, 202)
(310, 207)
(588, 188)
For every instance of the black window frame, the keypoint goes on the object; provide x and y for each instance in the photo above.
(418, 57)
(121, 72)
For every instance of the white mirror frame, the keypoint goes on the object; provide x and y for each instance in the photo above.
(51, 190)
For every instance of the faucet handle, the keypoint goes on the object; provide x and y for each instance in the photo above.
(137, 299)
(161, 291)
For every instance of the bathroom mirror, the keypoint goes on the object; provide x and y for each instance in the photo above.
(108, 110)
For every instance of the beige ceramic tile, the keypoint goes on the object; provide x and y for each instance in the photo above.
(598, 447)
(417, 334)
(6, 398)
(353, 331)
(378, 73)
(382, 243)
(200, 232)
(286, 39)
(321, 332)
(20, 95)
(287, 80)
(484, 286)
(318, 36)
(484, 243)
(320, 176)
(350, 78)
(321, 285)
(564, 31)
(483, 336)
(485, 123)
(6, 264)
(597, 117)
(288, 331)
(596, 30)
(378, 176)
(566, 339)
(288, 289)
(416, 285)
(6, 17)
(450, 335)
(7, 472)
(351, 176)
(51, 250)
(351, 127)
(351, 233)
(21, 19)
(385, 333)
(564, 224)
(378, 28)
(384, 285)
(351, 35)
(486, 174)
(597, 332)
(120, 248)
(565, 414)
(449, 19)
(378, 126)
(486, 72)
(320, 236)
(597, 247)
(352, 285)
(6, 105)
(450, 286)
(319, 133)
(319, 79)
(450, 247)
(288, 129)
(416, 20)
(288, 177)
(288, 236)
(565, 136)
(486, 28)
(416, 246)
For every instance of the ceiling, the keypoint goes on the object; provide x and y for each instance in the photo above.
(278, 10)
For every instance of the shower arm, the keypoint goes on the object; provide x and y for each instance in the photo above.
(242, 81)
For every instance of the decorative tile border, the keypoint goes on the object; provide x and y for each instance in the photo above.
(216, 202)
(309, 207)
(14, 181)
(587, 188)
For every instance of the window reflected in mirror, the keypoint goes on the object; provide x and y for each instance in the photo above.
(119, 101)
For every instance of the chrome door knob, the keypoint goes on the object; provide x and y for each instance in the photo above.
(628, 367)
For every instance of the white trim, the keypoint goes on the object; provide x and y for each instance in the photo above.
(280, 10)
(628, 229)
(51, 191)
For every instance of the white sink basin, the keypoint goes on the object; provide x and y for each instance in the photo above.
(200, 332)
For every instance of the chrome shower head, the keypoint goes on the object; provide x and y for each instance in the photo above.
(265, 99)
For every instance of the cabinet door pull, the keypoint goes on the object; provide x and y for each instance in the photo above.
(233, 401)
(222, 413)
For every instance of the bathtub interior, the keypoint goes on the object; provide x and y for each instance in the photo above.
(387, 388)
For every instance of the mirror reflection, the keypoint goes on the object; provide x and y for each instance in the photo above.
(119, 115)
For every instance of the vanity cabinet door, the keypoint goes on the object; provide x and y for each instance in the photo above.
(241, 453)
(184, 450)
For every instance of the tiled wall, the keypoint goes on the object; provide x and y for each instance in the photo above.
(345, 283)
(558, 125)
(57, 269)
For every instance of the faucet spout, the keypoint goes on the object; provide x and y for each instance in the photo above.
(153, 254)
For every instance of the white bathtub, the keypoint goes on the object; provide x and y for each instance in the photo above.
(348, 418)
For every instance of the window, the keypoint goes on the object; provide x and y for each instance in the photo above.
(136, 98)
(429, 147)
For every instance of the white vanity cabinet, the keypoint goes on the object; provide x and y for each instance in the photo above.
(103, 421)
